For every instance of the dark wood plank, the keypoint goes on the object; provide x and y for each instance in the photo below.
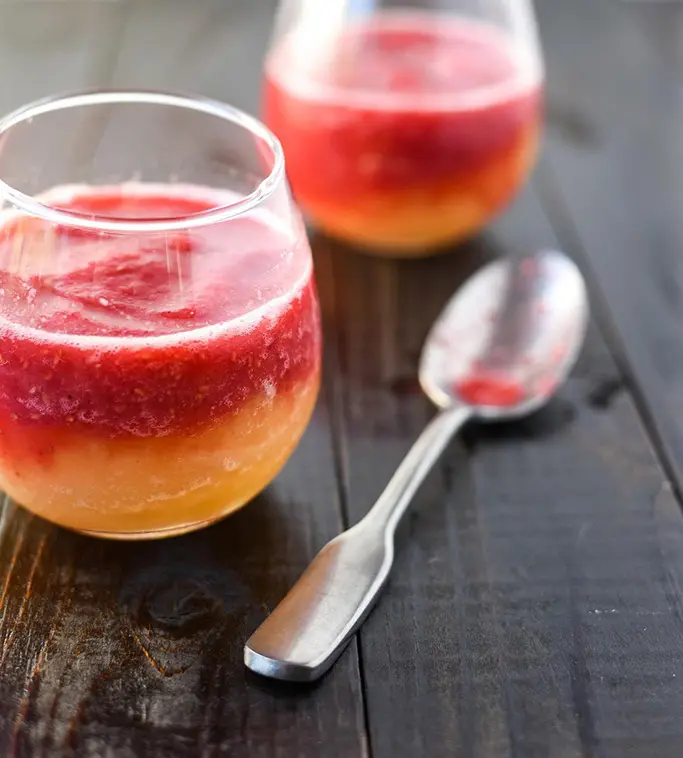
(534, 609)
(48, 47)
(209, 47)
(113, 649)
(136, 650)
(612, 184)
(662, 24)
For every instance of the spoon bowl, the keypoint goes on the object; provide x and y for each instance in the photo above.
(516, 328)
(501, 347)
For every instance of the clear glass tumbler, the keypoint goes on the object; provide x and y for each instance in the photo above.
(405, 128)
(159, 324)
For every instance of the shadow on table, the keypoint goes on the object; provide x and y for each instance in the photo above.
(175, 598)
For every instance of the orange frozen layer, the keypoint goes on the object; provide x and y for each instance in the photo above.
(411, 222)
(130, 488)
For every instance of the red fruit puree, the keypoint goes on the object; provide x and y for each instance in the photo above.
(142, 351)
(490, 390)
(407, 130)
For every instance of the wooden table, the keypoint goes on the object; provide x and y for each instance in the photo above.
(536, 606)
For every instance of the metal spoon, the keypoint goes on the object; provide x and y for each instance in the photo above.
(498, 351)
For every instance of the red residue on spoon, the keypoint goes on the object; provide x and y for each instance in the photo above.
(486, 387)
(490, 389)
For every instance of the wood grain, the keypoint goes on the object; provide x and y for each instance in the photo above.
(136, 649)
(613, 186)
(211, 47)
(533, 610)
(536, 608)
(48, 47)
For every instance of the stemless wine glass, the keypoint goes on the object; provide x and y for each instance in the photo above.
(405, 128)
(159, 325)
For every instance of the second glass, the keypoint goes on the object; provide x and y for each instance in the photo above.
(405, 128)
(159, 326)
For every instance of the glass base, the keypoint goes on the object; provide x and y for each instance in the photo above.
(156, 534)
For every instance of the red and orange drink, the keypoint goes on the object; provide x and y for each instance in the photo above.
(407, 130)
(151, 381)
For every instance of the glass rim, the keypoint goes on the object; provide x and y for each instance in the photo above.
(33, 206)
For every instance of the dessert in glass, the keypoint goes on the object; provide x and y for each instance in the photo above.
(159, 324)
(405, 130)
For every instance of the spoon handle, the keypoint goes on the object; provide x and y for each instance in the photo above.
(307, 631)
(411, 472)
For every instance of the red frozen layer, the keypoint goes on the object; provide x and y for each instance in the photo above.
(399, 103)
(149, 335)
